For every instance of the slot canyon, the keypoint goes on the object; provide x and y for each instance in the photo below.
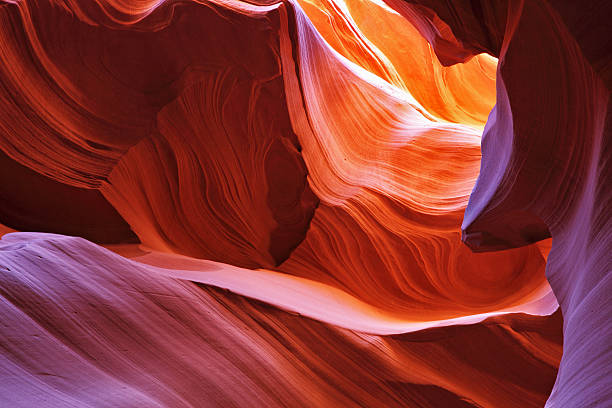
(305, 203)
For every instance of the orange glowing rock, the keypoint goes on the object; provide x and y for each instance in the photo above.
(285, 186)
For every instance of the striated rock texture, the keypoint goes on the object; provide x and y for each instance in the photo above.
(204, 149)
(173, 117)
(546, 166)
(312, 156)
(83, 326)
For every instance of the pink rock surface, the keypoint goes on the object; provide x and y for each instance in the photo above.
(286, 186)
(546, 160)
(83, 326)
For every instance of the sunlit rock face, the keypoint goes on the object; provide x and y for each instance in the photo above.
(314, 159)
(546, 160)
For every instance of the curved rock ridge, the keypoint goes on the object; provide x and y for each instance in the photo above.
(546, 159)
(208, 143)
(307, 297)
(284, 185)
(462, 93)
(164, 131)
(83, 326)
(393, 183)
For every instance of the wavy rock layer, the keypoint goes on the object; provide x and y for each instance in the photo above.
(333, 155)
(197, 148)
(166, 131)
(393, 183)
(546, 160)
(83, 326)
(378, 39)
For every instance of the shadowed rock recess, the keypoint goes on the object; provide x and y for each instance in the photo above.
(305, 203)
